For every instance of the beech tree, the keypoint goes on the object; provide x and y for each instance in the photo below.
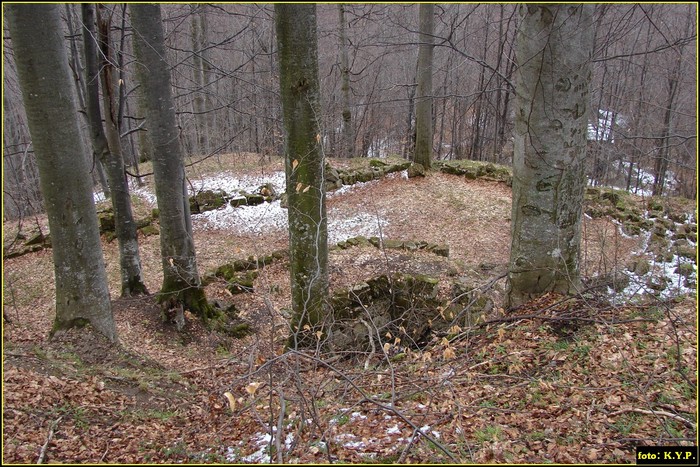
(82, 292)
(304, 166)
(553, 50)
(181, 282)
(424, 92)
(107, 147)
(348, 134)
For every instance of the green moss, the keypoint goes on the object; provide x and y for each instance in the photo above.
(685, 269)
(59, 325)
(150, 230)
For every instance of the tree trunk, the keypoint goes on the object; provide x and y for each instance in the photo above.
(82, 293)
(348, 137)
(77, 69)
(181, 283)
(424, 92)
(662, 157)
(108, 148)
(308, 238)
(199, 102)
(554, 46)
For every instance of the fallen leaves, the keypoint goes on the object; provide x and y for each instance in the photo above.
(512, 392)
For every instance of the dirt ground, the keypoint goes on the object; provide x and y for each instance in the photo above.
(565, 380)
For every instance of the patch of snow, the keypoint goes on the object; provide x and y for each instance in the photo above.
(349, 188)
(146, 194)
(267, 217)
(354, 445)
(394, 430)
(609, 121)
(258, 219)
(232, 184)
(99, 196)
(659, 271)
(363, 223)
(357, 416)
(259, 456)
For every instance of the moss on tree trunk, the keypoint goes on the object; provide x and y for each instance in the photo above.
(181, 280)
(304, 167)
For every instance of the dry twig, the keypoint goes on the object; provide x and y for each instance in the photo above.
(49, 437)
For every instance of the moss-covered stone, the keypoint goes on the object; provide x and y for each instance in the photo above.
(358, 241)
(141, 223)
(664, 256)
(242, 283)
(686, 251)
(639, 265)
(630, 228)
(348, 178)
(37, 239)
(657, 284)
(398, 167)
(392, 244)
(416, 170)
(254, 199)
(612, 196)
(106, 220)
(237, 201)
(685, 269)
(679, 217)
(453, 169)
(440, 250)
(149, 230)
(207, 200)
(592, 194)
(654, 204)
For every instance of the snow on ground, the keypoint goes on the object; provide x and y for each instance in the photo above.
(642, 187)
(262, 455)
(232, 184)
(266, 217)
(244, 219)
(659, 271)
(271, 216)
(351, 434)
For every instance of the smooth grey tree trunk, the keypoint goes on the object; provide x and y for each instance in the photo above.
(201, 127)
(181, 282)
(553, 49)
(108, 149)
(82, 292)
(348, 135)
(424, 91)
(308, 237)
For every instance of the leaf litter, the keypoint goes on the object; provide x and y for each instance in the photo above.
(573, 381)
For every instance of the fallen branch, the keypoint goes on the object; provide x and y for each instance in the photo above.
(657, 412)
(49, 437)
(509, 319)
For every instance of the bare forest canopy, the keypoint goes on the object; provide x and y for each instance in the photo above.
(225, 76)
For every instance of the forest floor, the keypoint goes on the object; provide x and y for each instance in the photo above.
(582, 379)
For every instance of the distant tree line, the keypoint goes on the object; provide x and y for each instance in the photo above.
(224, 75)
